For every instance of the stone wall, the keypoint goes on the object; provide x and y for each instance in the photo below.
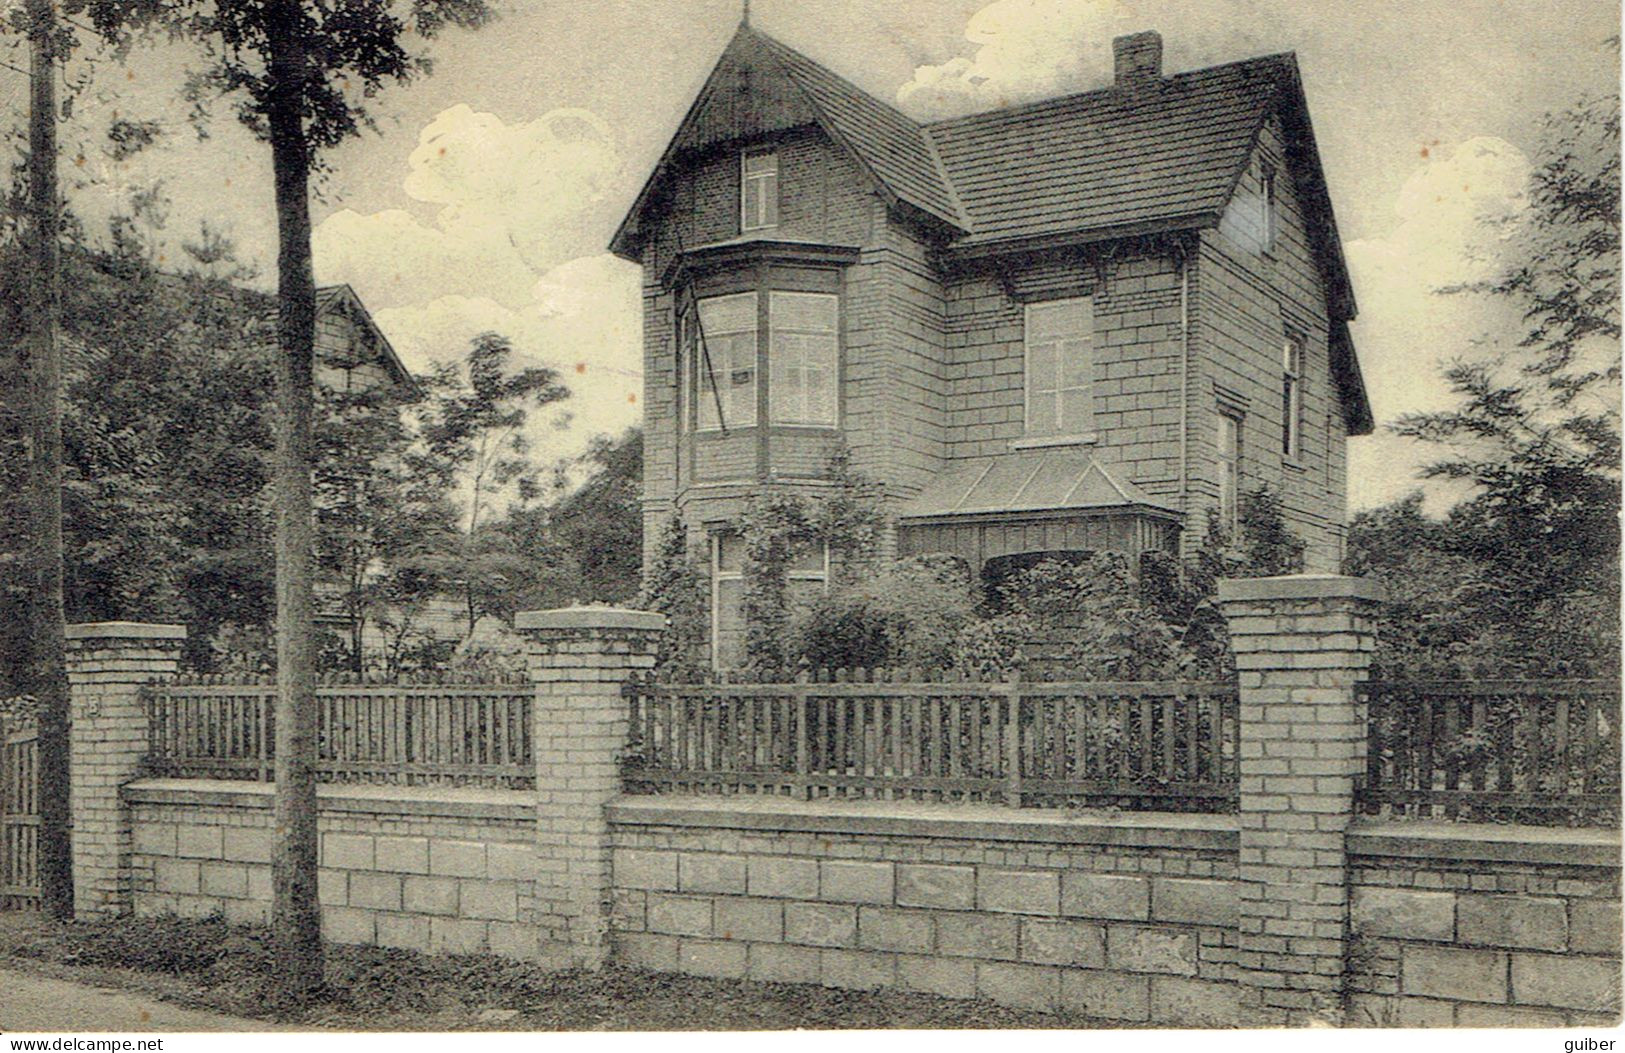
(1474, 926)
(440, 870)
(1130, 919)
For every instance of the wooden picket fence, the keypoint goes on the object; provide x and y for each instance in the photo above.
(897, 735)
(1534, 751)
(420, 732)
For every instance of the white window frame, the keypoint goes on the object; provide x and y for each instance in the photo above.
(724, 369)
(758, 190)
(780, 363)
(1228, 457)
(1291, 399)
(1065, 431)
(718, 576)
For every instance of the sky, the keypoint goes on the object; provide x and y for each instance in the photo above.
(489, 191)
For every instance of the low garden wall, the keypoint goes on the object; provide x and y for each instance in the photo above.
(1131, 918)
(1296, 908)
(424, 868)
(1472, 925)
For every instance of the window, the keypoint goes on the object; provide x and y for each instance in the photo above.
(1291, 398)
(1229, 471)
(809, 574)
(758, 191)
(728, 339)
(803, 358)
(1060, 362)
(1267, 221)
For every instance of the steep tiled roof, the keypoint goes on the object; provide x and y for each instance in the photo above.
(1027, 481)
(1109, 159)
(893, 147)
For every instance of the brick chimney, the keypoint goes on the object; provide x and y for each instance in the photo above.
(1137, 59)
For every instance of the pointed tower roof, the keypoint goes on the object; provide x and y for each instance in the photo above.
(760, 86)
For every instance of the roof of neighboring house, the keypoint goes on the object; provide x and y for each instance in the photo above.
(1028, 481)
(343, 298)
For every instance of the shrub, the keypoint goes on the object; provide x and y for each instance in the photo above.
(910, 615)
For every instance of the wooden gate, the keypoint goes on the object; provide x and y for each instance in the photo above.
(19, 816)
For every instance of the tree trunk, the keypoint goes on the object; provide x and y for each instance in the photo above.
(45, 674)
(295, 912)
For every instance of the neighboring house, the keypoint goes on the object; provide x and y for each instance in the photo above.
(1073, 325)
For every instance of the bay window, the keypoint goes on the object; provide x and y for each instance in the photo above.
(802, 361)
(722, 360)
(728, 340)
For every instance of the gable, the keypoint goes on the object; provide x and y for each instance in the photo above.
(760, 87)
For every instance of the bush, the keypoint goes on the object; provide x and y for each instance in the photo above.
(909, 615)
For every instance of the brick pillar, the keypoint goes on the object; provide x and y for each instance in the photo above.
(579, 657)
(107, 664)
(1302, 643)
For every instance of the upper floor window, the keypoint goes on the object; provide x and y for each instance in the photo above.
(803, 359)
(758, 191)
(1229, 471)
(724, 359)
(1291, 398)
(1268, 224)
(1060, 365)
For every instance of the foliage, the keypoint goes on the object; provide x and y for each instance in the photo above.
(911, 614)
(473, 426)
(382, 511)
(1534, 438)
(848, 518)
(776, 527)
(1085, 617)
(353, 48)
(676, 587)
(583, 539)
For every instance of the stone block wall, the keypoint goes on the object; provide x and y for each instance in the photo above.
(1483, 927)
(1131, 923)
(447, 871)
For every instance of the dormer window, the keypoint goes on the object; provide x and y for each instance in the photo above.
(758, 191)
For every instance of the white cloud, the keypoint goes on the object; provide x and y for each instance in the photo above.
(515, 200)
(585, 321)
(1025, 49)
(501, 255)
(1451, 217)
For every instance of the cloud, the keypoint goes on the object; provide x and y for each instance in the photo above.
(1452, 217)
(584, 320)
(516, 202)
(1025, 50)
(515, 199)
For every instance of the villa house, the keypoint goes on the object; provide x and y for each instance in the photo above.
(1073, 325)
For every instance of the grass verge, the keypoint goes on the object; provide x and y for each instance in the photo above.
(206, 964)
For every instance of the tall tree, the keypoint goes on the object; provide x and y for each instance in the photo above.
(474, 423)
(45, 670)
(302, 74)
(1535, 434)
